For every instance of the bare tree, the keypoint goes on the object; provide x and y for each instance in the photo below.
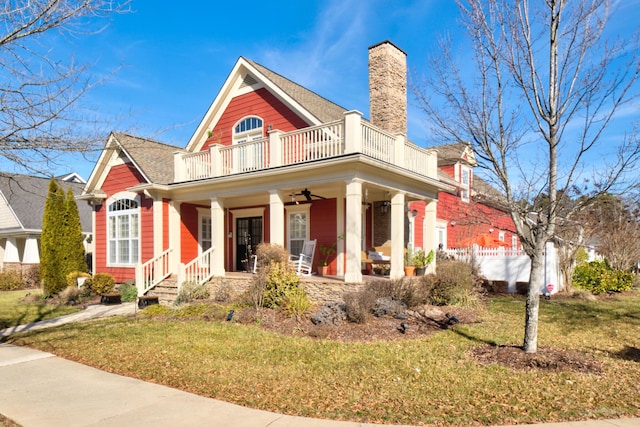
(40, 115)
(535, 101)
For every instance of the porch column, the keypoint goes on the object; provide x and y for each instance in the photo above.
(353, 234)
(174, 235)
(217, 237)
(31, 253)
(11, 254)
(158, 226)
(397, 235)
(276, 218)
(429, 231)
(340, 231)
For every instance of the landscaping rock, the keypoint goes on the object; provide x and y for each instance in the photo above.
(331, 313)
(388, 306)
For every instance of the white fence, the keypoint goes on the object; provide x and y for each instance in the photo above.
(511, 266)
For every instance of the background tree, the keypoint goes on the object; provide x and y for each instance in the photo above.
(52, 274)
(74, 254)
(39, 92)
(534, 103)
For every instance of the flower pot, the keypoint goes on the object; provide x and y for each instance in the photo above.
(323, 270)
(420, 271)
(409, 270)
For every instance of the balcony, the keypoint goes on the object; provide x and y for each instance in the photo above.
(347, 136)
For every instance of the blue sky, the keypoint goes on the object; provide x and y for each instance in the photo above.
(166, 61)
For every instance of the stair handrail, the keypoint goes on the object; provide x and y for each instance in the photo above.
(198, 270)
(152, 272)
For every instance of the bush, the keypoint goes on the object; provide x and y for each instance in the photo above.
(11, 280)
(599, 277)
(70, 295)
(279, 282)
(296, 302)
(268, 253)
(453, 284)
(103, 283)
(128, 292)
(400, 290)
(190, 291)
(72, 278)
(359, 305)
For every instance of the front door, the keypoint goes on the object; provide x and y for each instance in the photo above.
(248, 236)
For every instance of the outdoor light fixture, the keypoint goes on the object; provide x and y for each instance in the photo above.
(453, 223)
(384, 207)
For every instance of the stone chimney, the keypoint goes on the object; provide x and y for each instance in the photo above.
(388, 87)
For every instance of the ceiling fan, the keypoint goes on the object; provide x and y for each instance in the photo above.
(307, 195)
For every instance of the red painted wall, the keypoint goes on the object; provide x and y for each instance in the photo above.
(119, 178)
(260, 103)
(323, 228)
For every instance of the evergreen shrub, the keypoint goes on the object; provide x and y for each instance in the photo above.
(103, 283)
(11, 280)
(599, 277)
(128, 292)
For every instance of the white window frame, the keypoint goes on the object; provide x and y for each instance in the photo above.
(249, 133)
(501, 236)
(204, 215)
(465, 183)
(291, 211)
(114, 242)
(514, 241)
(441, 234)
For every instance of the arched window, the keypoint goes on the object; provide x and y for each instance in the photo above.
(123, 235)
(248, 129)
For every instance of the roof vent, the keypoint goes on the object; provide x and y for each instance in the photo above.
(248, 81)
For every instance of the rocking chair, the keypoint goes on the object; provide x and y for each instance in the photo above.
(303, 263)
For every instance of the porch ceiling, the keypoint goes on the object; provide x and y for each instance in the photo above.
(326, 178)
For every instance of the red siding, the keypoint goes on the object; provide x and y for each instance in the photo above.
(189, 231)
(260, 103)
(119, 178)
(165, 223)
(323, 228)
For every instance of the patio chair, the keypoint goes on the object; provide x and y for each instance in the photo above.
(303, 263)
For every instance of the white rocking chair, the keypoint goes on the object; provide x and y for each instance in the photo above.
(303, 263)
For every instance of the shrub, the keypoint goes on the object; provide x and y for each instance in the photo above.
(400, 290)
(11, 280)
(599, 277)
(103, 283)
(296, 302)
(280, 280)
(453, 284)
(128, 292)
(72, 278)
(190, 291)
(359, 305)
(268, 253)
(70, 295)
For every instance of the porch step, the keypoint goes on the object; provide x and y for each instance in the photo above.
(166, 291)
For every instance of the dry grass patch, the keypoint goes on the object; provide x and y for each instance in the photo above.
(437, 379)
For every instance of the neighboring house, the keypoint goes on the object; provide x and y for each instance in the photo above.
(271, 162)
(22, 200)
(469, 212)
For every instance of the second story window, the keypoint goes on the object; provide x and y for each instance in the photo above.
(248, 129)
(465, 181)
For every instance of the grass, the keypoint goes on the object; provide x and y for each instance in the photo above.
(423, 381)
(14, 311)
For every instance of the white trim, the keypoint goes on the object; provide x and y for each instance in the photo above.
(202, 214)
(292, 209)
(114, 198)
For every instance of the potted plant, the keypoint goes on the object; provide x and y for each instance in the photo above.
(409, 267)
(421, 260)
(327, 252)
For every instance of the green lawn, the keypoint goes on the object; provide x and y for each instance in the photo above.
(14, 311)
(431, 380)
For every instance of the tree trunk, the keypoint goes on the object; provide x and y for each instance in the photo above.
(536, 284)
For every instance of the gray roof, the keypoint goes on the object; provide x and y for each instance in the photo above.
(155, 159)
(321, 108)
(27, 195)
(450, 153)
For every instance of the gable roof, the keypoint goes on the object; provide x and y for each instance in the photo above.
(323, 109)
(453, 153)
(153, 159)
(26, 196)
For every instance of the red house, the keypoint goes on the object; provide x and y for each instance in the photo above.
(271, 161)
(472, 213)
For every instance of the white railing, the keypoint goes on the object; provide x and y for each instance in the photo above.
(377, 144)
(313, 143)
(245, 157)
(419, 160)
(152, 272)
(324, 141)
(198, 270)
(197, 165)
(477, 251)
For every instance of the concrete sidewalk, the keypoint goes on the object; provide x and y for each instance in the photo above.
(40, 389)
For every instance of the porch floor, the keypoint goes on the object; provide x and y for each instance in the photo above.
(312, 279)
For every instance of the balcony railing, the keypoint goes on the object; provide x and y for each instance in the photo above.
(347, 136)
